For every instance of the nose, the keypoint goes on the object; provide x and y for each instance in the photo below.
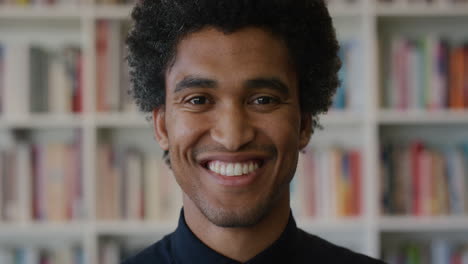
(233, 128)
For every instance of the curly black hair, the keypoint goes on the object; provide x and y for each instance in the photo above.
(304, 25)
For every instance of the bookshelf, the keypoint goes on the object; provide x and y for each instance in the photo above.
(365, 127)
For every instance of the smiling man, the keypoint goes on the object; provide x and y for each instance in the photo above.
(235, 88)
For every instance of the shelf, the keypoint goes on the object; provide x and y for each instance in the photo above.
(418, 224)
(345, 10)
(391, 10)
(337, 117)
(62, 230)
(41, 12)
(42, 121)
(116, 120)
(66, 12)
(113, 11)
(389, 117)
(331, 225)
(134, 228)
(357, 129)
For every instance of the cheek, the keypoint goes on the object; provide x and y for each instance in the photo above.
(183, 128)
(184, 132)
(283, 130)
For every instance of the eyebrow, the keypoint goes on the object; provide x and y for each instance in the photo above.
(261, 82)
(194, 82)
(270, 82)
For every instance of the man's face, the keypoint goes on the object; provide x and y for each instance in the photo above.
(232, 123)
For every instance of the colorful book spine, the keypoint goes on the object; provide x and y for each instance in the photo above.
(113, 81)
(349, 92)
(53, 82)
(134, 185)
(41, 182)
(42, 2)
(328, 184)
(423, 180)
(426, 73)
(35, 255)
(439, 251)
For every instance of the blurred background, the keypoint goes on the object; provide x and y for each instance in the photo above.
(386, 176)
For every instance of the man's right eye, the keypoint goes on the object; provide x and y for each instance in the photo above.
(198, 100)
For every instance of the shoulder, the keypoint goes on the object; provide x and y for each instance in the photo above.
(159, 252)
(320, 250)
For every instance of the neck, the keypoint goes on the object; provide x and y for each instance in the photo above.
(243, 243)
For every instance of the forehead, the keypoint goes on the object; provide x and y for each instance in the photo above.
(244, 52)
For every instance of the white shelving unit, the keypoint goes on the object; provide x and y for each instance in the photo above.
(364, 128)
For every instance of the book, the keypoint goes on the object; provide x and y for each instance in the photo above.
(426, 73)
(423, 180)
(327, 183)
(113, 79)
(2, 76)
(422, 251)
(42, 3)
(135, 185)
(56, 182)
(349, 92)
(43, 79)
(16, 86)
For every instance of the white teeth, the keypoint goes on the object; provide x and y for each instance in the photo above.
(245, 168)
(222, 169)
(238, 169)
(232, 169)
(251, 166)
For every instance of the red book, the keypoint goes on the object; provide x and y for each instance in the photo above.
(401, 76)
(101, 65)
(457, 70)
(415, 156)
(77, 101)
(465, 76)
(356, 171)
(456, 259)
(309, 186)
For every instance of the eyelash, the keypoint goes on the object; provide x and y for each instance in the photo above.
(273, 100)
(197, 97)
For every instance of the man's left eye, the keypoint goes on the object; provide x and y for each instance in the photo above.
(198, 100)
(265, 100)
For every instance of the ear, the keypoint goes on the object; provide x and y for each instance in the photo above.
(306, 130)
(159, 125)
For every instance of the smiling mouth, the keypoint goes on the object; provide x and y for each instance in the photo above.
(230, 169)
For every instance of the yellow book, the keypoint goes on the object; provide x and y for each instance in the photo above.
(22, 2)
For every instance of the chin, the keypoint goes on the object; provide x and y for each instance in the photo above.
(242, 217)
(227, 218)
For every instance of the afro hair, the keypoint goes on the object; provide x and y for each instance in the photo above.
(304, 25)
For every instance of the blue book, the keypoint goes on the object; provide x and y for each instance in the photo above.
(339, 100)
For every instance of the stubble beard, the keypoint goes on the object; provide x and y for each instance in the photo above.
(240, 217)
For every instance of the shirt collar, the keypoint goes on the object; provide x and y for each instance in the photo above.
(187, 248)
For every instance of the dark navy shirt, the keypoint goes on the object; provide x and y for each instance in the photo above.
(293, 247)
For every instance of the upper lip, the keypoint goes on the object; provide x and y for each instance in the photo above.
(203, 159)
